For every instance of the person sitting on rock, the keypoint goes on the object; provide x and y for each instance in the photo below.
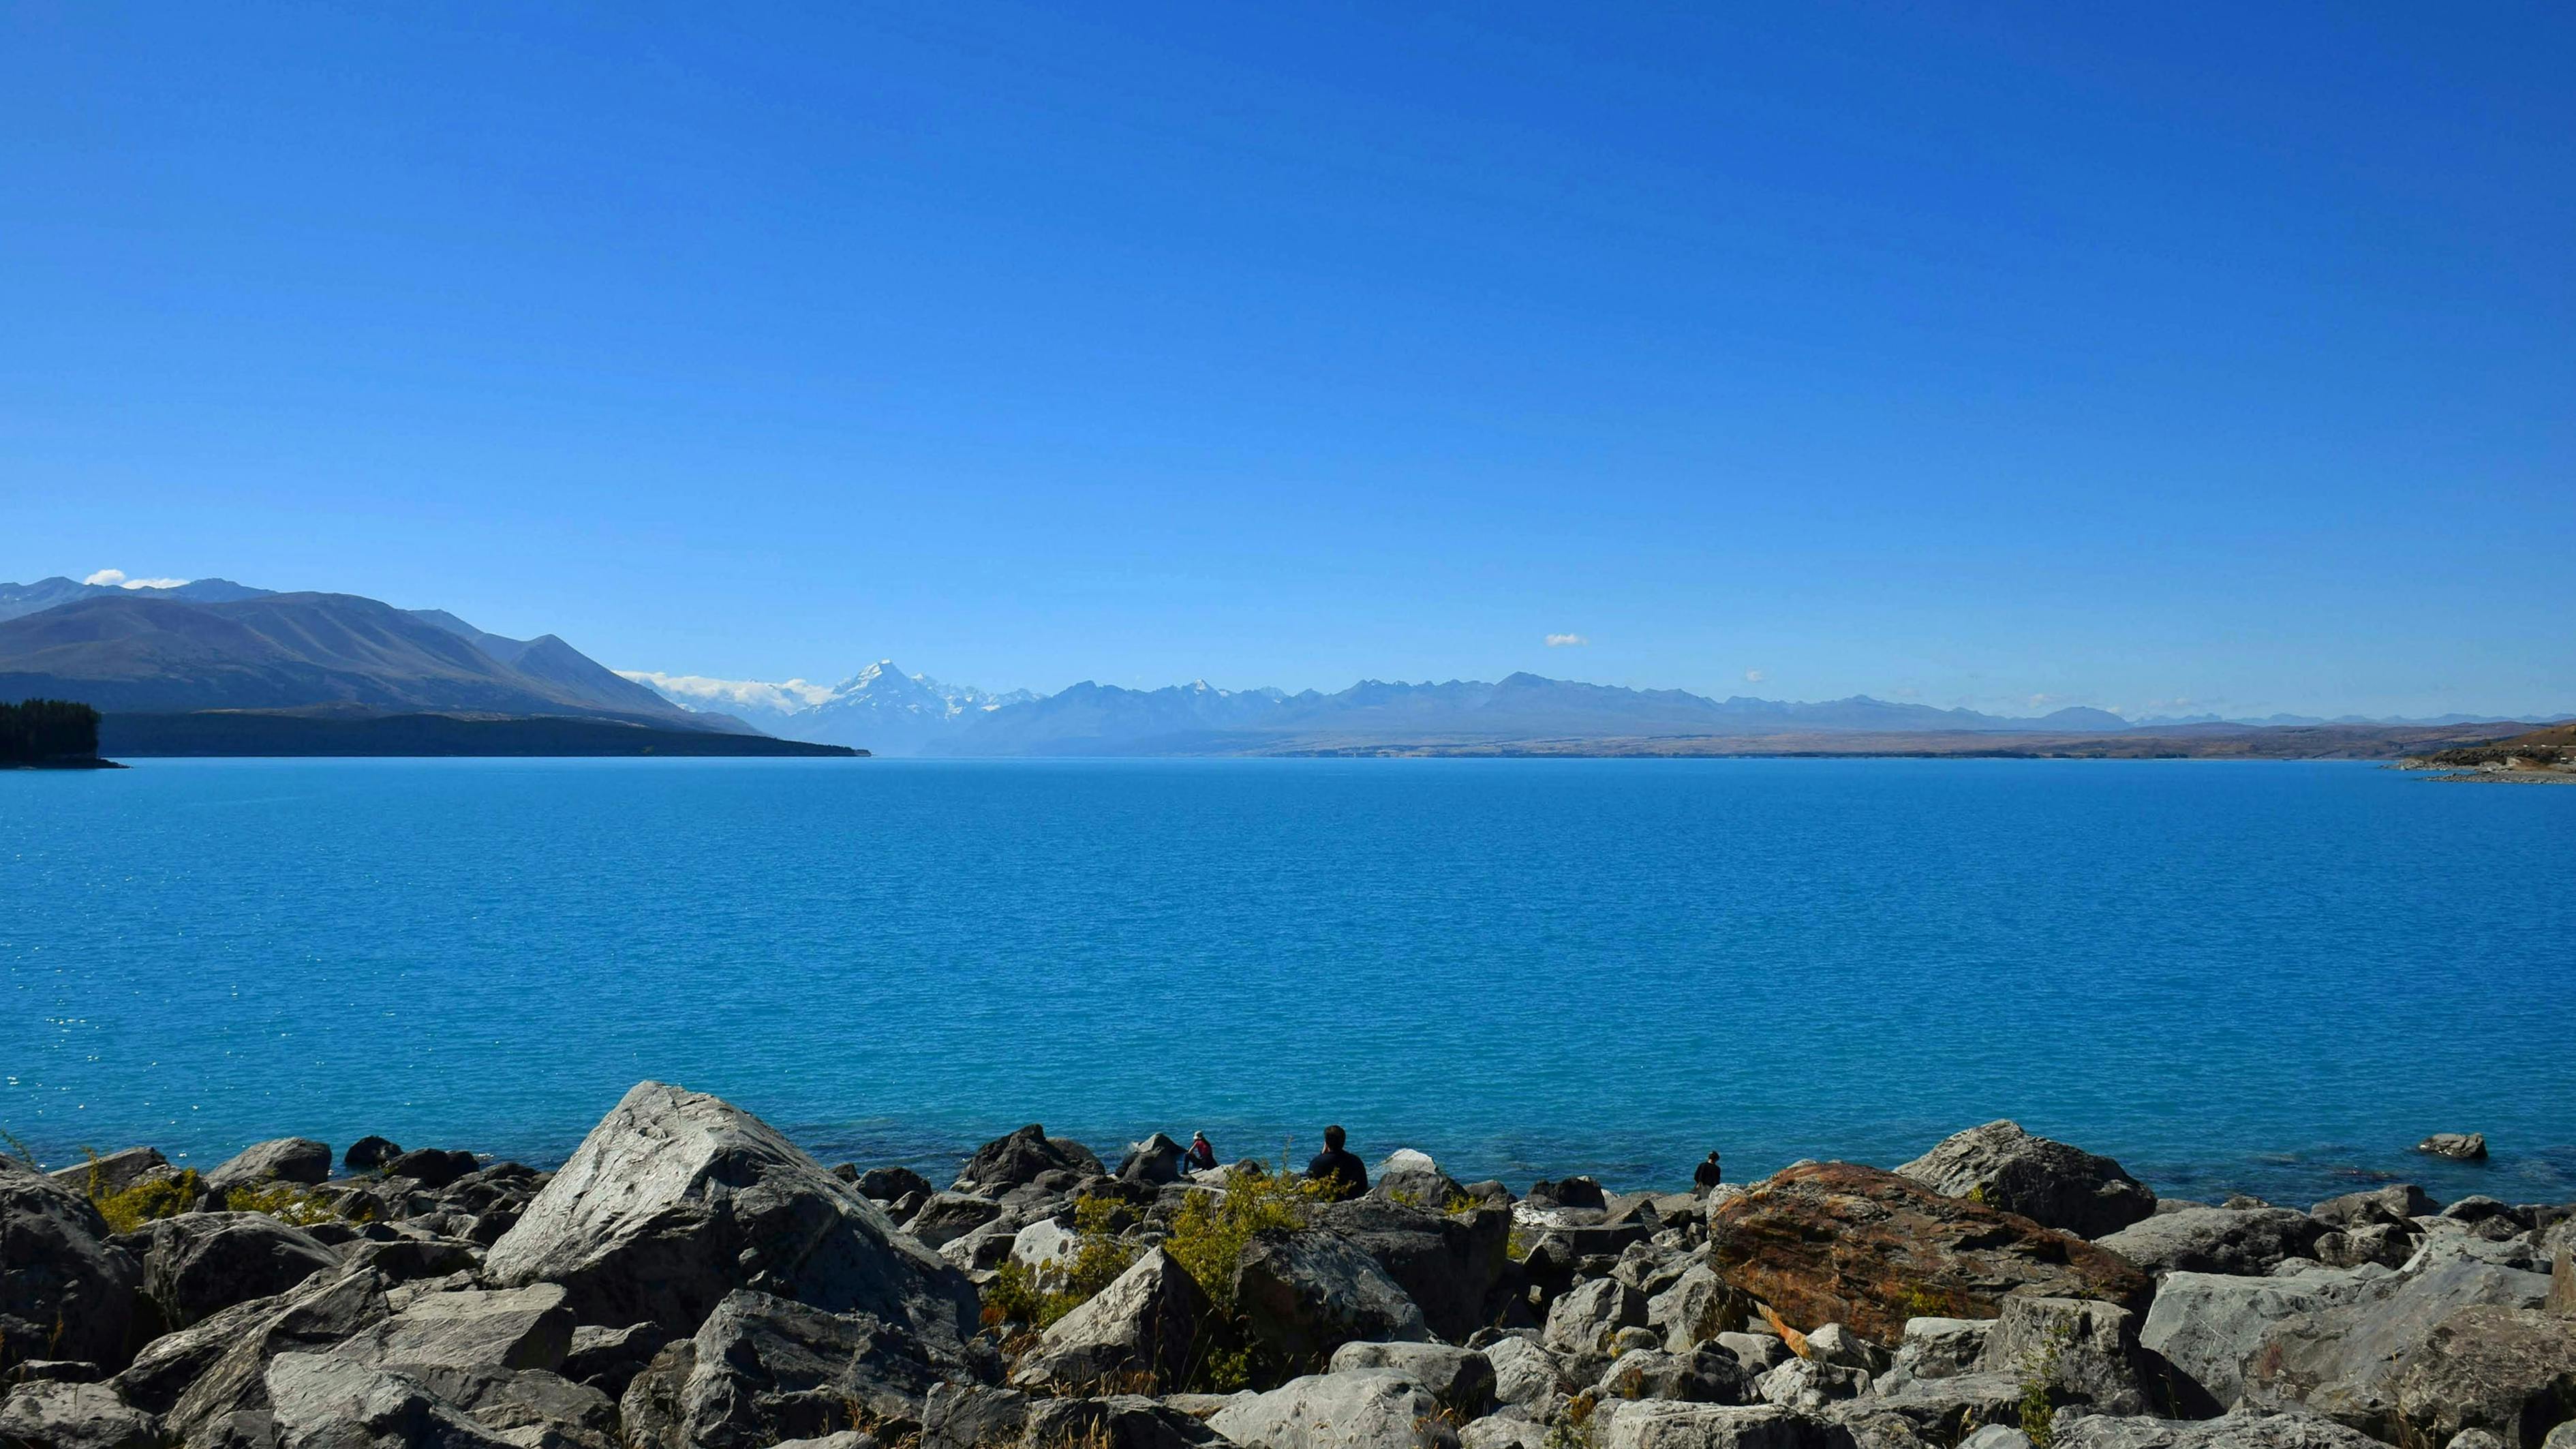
(1341, 1172)
(1708, 1174)
(1201, 1157)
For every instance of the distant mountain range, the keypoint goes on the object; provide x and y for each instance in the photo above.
(880, 708)
(216, 645)
(894, 713)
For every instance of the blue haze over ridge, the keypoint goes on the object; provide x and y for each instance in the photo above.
(2257, 976)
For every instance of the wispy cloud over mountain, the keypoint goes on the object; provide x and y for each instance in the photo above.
(1566, 641)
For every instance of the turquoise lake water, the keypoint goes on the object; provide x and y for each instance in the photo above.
(2274, 977)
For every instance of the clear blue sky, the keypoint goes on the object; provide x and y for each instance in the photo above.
(2116, 354)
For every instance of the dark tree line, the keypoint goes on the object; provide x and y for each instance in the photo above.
(47, 729)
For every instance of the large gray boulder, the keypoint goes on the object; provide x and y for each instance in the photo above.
(1308, 1292)
(1448, 1263)
(2206, 1325)
(764, 1368)
(2399, 1203)
(949, 1216)
(677, 1199)
(1942, 1348)
(1707, 1374)
(1655, 1425)
(1368, 1409)
(2236, 1431)
(509, 1328)
(1943, 1410)
(51, 1415)
(198, 1264)
(1583, 1320)
(1697, 1307)
(65, 1291)
(317, 1315)
(2341, 1359)
(2510, 1371)
(1121, 1421)
(114, 1173)
(1462, 1379)
(298, 1160)
(1524, 1373)
(972, 1416)
(2050, 1183)
(321, 1401)
(1408, 1175)
(1141, 1330)
(1157, 1159)
(1022, 1158)
(2217, 1240)
(2087, 1351)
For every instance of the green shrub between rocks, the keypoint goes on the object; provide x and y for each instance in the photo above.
(1016, 1294)
(147, 1201)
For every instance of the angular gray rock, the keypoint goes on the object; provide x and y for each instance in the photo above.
(886, 1184)
(2049, 1182)
(1758, 1352)
(320, 1401)
(2510, 1371)
(511, 1328)
(1696, 1308)
(763, 1368)
(317, 1315)
(65, 1291)
(1368, 1409)
(1942, 1348)
(1410, 1176)
(1305, 1293)
(972, 1416)
(949, 1216)
(1707, 1374)
(677, 1199)
(1524, 1373)
(198, 1264)
(1462, 1379)
(2398, 1203)
(1803, 1383)
(1502, 1431)
(2340, 1360)
(431, 1167)
(1021, 1158)
(2217, 1240)
(1837, 1344)
(298, 1160)
(52, 1415)
(608, 1359)
(1447, 1263)
(1123, 1421)
(2087, 1350)
(1583, 1320)
(111, 1174)
(1943, 1409)
(370, 1153)
(2235, 1431)
(1157, 1159)
(1715, 1426)
(1142, 1331)
(2464, 1146)
(2207, 1324)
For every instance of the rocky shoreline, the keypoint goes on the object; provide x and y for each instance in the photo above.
(690, 1278)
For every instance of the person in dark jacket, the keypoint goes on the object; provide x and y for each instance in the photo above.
(1343, 1172)
(1201, 1155)
(1708, 1174)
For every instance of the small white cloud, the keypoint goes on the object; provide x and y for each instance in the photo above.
(696, 691)
(117, 578)
(1755, 676)
(1562, 641)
